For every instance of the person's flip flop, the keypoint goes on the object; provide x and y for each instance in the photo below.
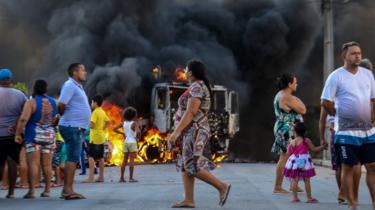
(74, 196)
(99, 180)
(132, 180)
(88, 181)
(54, 185)
(299, 190)
(10, 196)
(4, 188)
(342, 201)
(224, 200)
(28, 196)
(182, 205)
(45, 195)
(312, 201)
(296, 200)
(281, 191)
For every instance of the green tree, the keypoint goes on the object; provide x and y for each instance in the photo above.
(22, 87)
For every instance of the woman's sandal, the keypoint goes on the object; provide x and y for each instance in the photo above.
(281, 191)
(182, 205)
(342, 201)
(296, 200)
(54, 185)
(45, 195)
(12, 196)
(224, 199)
(29, 196)
(313, 200)
(299, 190)
(74, 196)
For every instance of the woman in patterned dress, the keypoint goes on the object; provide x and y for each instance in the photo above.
(288, 111)
(193, 131)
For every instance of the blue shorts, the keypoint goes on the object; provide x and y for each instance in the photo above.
(73, 138)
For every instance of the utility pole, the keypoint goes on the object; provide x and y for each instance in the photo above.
(328, 56)
(328, 59)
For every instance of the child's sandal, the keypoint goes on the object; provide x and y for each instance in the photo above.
(313, 200)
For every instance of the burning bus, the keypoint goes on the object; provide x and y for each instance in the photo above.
(223, 119)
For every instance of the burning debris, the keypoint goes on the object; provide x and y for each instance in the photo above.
(180, 74)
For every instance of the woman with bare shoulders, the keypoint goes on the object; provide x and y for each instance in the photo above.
(38, 121)
(288, 110)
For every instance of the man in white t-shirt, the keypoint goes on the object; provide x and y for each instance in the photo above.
(347, 95)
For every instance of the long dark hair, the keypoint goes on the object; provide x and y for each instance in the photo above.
(198, 69)
(40, 88)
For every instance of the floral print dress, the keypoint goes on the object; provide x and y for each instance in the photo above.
(283, 129)
(196, 135)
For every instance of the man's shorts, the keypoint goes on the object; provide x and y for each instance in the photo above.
(335, 157)
(9, 148)
(44, 149)
(73, 138)
(335, 152)
(130, 147)
(353, 154)
(96, 151)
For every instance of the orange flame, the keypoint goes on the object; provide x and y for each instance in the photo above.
(180, 74)
(114, 114)
(154, 142)
(152, 148)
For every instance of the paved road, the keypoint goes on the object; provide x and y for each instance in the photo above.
(160, 185)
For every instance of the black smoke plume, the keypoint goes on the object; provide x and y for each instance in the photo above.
(244, 43)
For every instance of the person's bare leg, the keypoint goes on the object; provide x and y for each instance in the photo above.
(131, 166)
(70, 168)
(308, 189)
(348, 185)
(188, 182)
(209, 178)
(62, 172)
(123, 166)
(294, 184)
(91, 178)
(356, 181)
(101, 170)
(5, 178)
(370, 180)
(47, 173)
(23, 169)
(33, 163)
(57, 176)
(341, 195)
(279, 173)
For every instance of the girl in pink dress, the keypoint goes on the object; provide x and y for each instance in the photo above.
(299, 165)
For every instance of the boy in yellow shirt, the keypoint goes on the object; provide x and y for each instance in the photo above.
(98, 124)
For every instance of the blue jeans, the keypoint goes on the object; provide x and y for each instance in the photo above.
(73, 138)
(82, 160)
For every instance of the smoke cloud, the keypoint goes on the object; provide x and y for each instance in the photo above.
(244, 44)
